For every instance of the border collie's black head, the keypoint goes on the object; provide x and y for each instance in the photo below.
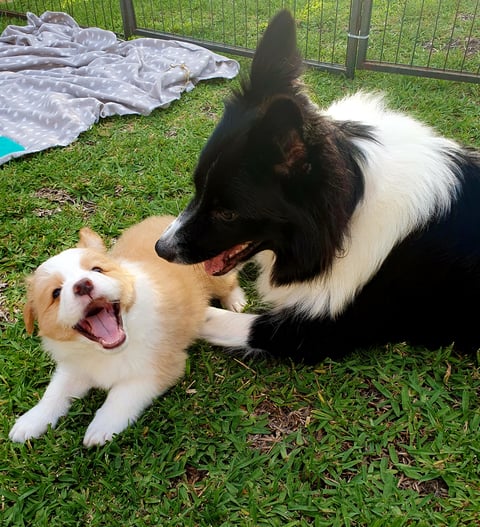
(273, 175)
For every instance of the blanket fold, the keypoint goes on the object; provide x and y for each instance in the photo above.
(57, 79)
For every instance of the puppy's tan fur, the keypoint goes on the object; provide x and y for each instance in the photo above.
(162, 306)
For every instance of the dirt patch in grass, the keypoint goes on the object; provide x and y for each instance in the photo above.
(375, 399)
(281, 423)
(437, 486)
(193, 478)
(5, 315)
(59, 198)
(193, 475)
(473, 46)
(470, 45)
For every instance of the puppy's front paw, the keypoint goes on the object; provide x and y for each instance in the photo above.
(96, 437)
(102, 429)
(32, 424)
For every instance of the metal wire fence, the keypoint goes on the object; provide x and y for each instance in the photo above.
(101, 13)
(438, 38)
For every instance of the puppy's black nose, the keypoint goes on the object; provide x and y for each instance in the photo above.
(165, 250)
(83, 287)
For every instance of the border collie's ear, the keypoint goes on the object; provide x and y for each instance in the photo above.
(282, 128)
(90, 240)
(29, 313)
(277, 62)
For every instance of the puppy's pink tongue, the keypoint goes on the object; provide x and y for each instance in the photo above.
(104, 326)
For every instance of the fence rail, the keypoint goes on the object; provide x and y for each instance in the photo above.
(435, 38)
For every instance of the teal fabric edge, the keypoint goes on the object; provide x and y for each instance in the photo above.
(8, 146)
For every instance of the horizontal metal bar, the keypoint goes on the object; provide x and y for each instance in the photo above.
(214, 46)
(228, 48)
(420, 71)
(13, 14)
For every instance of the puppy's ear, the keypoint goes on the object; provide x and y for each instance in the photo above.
(282, 128)
(29, 313)
(90, 240)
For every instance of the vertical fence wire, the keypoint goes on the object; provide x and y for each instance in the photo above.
(211, 16)
(319, 48)
(334, 41)
(234, 20)
(245, 14)
(434, 36)
(400, 35)
(417, 35)
(470, 39)
(450, 42)
(223, 21)
(384, 36)
(307, 34)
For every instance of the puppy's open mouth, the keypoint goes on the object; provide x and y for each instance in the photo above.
(103, 323)
(227, 260)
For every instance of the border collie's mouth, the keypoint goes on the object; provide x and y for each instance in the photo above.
(103, 323)
(227, 260)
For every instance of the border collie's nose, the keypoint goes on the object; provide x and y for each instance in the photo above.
(83, 287)
(165, 250)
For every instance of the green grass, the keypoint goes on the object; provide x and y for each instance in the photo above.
(384, 438)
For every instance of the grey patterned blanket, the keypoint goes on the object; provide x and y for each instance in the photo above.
(57, 79)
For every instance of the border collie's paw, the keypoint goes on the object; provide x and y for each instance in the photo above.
(225, 328)
(30, 425)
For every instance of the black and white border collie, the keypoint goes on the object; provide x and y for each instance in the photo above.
(364, 222)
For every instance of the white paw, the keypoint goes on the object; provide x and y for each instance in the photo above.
(102, 429)
(235, 301)
(32, 424)
(225, 328)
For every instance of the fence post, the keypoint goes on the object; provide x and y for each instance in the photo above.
(365, 23)
(128, 18)
(357, 36)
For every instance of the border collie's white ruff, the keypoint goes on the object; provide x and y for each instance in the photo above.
(120, 321)
(416, 182)
(365, 222)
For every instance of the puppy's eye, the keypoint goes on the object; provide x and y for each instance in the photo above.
(97, 269)
(56, 292)
(224, 215)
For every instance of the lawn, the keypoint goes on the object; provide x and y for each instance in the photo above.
(387, 437)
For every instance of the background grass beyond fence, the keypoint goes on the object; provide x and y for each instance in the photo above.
(387, 437)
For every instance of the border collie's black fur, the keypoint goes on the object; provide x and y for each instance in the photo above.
(365, 223)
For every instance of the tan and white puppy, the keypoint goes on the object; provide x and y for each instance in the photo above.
(119, 320)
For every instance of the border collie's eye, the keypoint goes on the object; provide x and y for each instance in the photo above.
(56, 292)
(97, 269)
(224, 215)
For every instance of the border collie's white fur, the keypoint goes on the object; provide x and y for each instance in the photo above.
(365, 222)
(120, 321)
(418, 182)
